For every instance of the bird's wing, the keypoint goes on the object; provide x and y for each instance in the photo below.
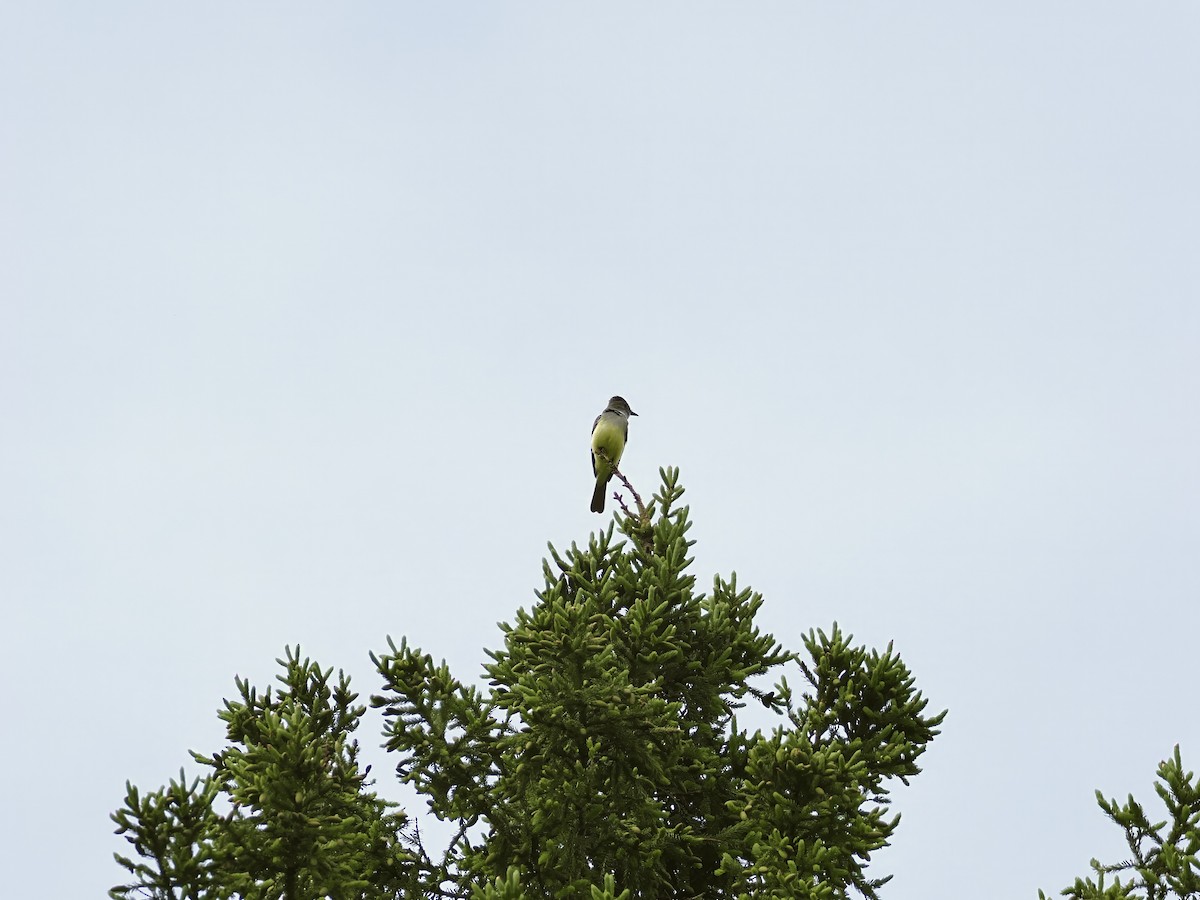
(592, 453)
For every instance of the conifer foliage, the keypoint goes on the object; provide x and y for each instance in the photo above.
(1165, 856)
(298, 822)
(603, 759)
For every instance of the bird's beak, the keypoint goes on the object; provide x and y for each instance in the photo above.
(632, 413)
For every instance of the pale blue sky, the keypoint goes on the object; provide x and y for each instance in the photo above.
(306, 310)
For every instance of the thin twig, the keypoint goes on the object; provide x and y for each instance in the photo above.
(636, 496)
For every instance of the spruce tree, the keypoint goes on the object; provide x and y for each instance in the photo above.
(602, 760)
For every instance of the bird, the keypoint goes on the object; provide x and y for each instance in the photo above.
(610, 431)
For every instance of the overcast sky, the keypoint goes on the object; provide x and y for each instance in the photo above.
(306, 311)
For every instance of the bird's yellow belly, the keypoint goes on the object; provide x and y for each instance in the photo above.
(608, 440)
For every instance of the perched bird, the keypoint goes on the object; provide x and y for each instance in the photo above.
(609, 433)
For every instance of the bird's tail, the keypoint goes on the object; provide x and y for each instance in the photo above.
(598, 495)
